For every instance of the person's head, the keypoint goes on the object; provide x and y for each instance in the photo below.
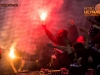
(72, 22)
(62, 35)
(78, 49)
(78, 45)
(81, 39)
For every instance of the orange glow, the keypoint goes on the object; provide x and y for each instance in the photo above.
(43, 16)
(11, 53)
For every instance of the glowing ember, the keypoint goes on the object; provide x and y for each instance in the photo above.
(12, 54)
(43, 16)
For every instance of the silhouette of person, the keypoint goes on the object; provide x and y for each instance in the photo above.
(61, 39)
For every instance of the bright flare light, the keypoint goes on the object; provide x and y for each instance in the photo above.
(43, 16)
(12, 54)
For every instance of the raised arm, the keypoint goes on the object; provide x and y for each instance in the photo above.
(49, 34)
(97, 27)
(87, 38)
(63, 48)
(93, 22)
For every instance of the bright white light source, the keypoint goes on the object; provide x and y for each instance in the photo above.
(43, 16)
(11, 53)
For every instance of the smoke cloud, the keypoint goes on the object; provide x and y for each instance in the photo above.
(22, 24)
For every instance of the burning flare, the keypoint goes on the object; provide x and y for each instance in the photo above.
(43, 16)
(11, 53)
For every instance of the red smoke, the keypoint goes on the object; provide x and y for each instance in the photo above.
(26, 22)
